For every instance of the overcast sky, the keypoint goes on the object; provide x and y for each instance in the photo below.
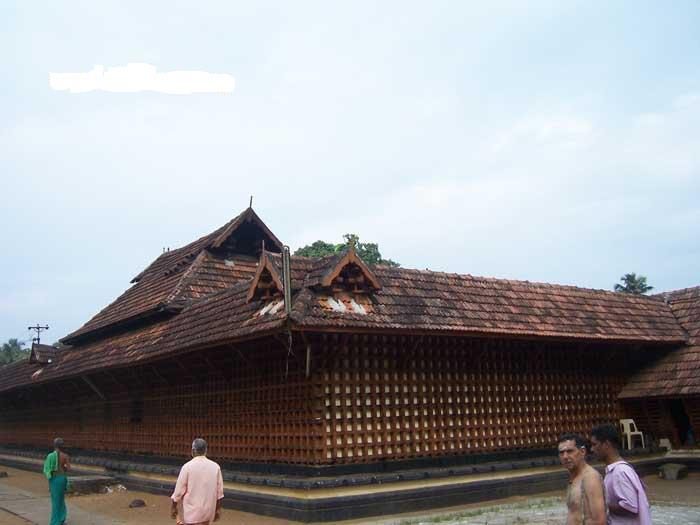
(548, 141)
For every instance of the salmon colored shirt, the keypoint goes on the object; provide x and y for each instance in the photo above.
(199, 486)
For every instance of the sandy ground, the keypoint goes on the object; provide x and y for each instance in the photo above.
(9, 519)
(685, 491)
(116, 504)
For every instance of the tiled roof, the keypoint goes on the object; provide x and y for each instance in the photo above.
(208, 289)
(42, 353)
(221, 317)
(176, 276)
(678, 372)
(425, 300)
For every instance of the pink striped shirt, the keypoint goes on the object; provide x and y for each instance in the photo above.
(200, 486)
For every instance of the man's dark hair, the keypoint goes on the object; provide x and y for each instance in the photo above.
(58, 443)
(579, 440)
(607, 433)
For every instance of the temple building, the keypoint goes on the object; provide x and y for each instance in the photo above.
(283, 360)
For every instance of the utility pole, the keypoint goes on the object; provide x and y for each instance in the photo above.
(38, 329)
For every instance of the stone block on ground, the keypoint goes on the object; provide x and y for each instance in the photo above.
(90, 484)
(672, 471)
(137, 503)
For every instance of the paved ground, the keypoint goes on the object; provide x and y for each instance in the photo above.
(21, 507)
(549, 512)
(24, 500)
(673, 503)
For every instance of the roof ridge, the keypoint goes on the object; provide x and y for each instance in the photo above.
(235, 288)
(537, 284)
(177, 251)
(675, 296)
(177, 290)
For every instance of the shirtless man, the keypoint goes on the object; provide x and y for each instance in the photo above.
(584, 497)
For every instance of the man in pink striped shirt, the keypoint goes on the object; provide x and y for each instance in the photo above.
(625, 496)
(200, 487)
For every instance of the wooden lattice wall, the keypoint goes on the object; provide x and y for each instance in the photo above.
(390, 397)
(244, 401)
(653, 417)
(692, 408)
(367, 397)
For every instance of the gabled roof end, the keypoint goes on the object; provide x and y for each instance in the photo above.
(350, 257)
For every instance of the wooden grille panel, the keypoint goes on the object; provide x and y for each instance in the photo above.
(653, 417)
(391, 397)
(367, 398)
(692, 408)
(256, 410)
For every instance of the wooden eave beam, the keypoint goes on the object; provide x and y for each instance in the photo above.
(188, 371)
(114, 380)
(214, 370)
(92, 385)
(468, 334)
(159, 375)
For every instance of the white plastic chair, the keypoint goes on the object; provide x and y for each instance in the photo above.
(629, 431)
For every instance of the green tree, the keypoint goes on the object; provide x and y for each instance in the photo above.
(368, 251)
(632, 283)
(317, 249)
(12, 351)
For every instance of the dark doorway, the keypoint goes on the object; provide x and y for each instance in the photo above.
(681, 421)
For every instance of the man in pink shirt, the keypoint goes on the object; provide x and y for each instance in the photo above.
(200, 487)
(624, 492)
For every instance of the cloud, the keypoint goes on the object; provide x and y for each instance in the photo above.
(142, 77)
(557, 196)
(546, 129)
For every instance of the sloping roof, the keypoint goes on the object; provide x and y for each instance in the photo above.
(678, 372)
(425, 300)
(219, 318)
(208, 291)
(177, 276)
(43, 354)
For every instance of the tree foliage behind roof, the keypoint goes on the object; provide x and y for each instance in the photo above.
(367, 251)
(633, 283)
(12, 350)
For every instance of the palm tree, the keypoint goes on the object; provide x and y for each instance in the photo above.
(633, 284)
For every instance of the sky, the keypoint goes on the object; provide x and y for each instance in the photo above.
(544, 141)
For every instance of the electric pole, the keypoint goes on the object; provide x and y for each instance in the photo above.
(38, 329)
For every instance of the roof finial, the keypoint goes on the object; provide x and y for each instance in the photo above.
(251, 202)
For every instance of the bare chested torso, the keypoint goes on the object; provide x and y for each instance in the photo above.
(578, 496)
(63, 463)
